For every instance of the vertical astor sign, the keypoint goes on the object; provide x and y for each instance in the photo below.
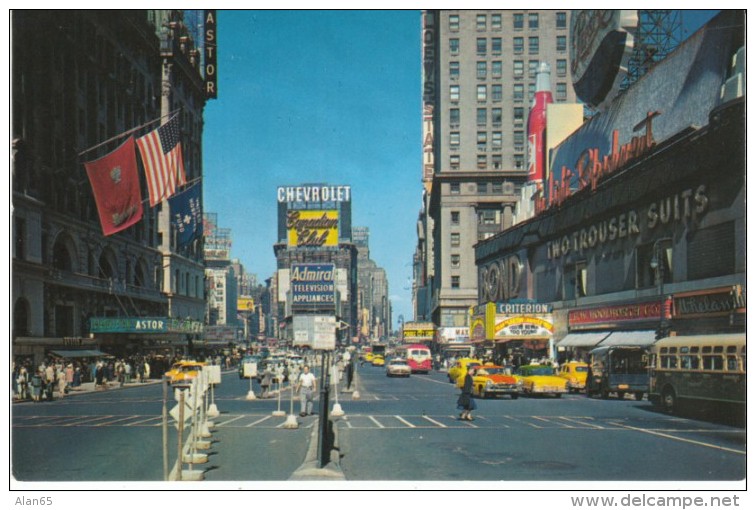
(211, 56)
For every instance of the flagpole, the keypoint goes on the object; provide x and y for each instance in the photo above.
(130, 131)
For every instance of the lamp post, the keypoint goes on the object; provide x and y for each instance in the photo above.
(657, 264)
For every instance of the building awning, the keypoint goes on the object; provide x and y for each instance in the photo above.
(80, 353)
(641, 338)
(582, 339)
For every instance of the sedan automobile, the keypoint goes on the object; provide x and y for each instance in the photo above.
(398, 367)
(494, 380)
(576, 374)
(456, 373)
(378, 361)
(182, 373)
(541, 380)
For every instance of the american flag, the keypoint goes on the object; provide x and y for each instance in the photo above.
(163, 163)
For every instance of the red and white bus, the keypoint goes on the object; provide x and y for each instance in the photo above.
(418, 357)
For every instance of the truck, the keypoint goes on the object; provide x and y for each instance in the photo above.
(618, 369)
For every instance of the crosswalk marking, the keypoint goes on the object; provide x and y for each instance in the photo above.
(404, 421)
(380, 425)
(434, 421)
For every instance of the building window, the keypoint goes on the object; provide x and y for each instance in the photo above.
(489, 217)
(533, 21)
(518, 68)
(481, 70)
(531, 91)
(496, 69)
(454, 92)
(561, 91)
(454, 188)
(454, 238)
(454, 46)
(455, 260)
(455, 282)
(518, 93)
(561, 20)
(454, 116)
(480, 22)
(454, 161)
(518, 139)
(482, 160)
(533, 45)
(532, 68)
(518, 45)
(453, 70)
(518, 114)
(561, 43)
(497, 188)
(482, 139)
(481, 117)
(480, 46)
(496, 161)
(496, 93)
(518, 21)
(20, 238)
(496, 45)
(455, 217)
(575, 281)
(496, 21)
(482, 188)
(496, 140)
(496, 116)
(645, 274)
(454, 23)
(454, 139)
(519, 161)
(561, 67)
(482, 93)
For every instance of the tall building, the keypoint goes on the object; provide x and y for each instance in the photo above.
(374, 308)
(80, 80)
(479, 79)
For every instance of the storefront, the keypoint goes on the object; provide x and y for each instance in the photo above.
(640, 230)
(122, 336)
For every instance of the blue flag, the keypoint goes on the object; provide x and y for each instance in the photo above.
(186, 214)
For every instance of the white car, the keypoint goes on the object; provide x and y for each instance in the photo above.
(398, 367)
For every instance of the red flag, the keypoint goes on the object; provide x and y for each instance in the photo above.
(115, 184)
(163, 162)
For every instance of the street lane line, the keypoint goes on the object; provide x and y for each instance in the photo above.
(229, 421)
(113, 421)
(436, 422)
(380, 425)
(404, 421)
(567, 418)
(144, 421)
(682, 439)
(258, 421)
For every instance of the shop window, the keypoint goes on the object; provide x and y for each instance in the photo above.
(575, 281)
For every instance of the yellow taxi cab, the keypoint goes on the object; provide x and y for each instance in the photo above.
(368, 357)
(494, 380)
(459, 369)
(378, 361)
(541, 380)
(183, 372)
(576, 374)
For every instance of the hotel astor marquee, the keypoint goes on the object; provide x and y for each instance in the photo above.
(640, 226)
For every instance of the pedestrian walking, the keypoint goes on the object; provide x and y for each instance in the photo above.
(37, 382)
(49, 381)
(349, 374)
(22, 384)
(62, 383)
(466, 402)
(306, 386)
(265, 382)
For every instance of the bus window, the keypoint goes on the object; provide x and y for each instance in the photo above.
(713, 363)
(689, 362)
(732, 363)
(668, 361)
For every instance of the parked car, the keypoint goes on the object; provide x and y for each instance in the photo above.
(541, 380)
(378, 361)
(398, 367)
(494, 380)
(460, 368)
(575, 373)
(182, 373)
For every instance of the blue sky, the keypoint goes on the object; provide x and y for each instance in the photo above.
(317, 96)
(321, 96)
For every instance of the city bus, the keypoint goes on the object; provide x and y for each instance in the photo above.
(418, 357)
(705, 369)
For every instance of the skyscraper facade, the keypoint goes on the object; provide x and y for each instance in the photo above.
(479, 79)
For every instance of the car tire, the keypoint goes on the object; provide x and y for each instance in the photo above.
(638, 395)
(669, 400)
(514, 396)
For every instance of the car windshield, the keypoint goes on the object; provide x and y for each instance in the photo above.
(491, 371)
(581, 369)
(398, 362)
(539, 371)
